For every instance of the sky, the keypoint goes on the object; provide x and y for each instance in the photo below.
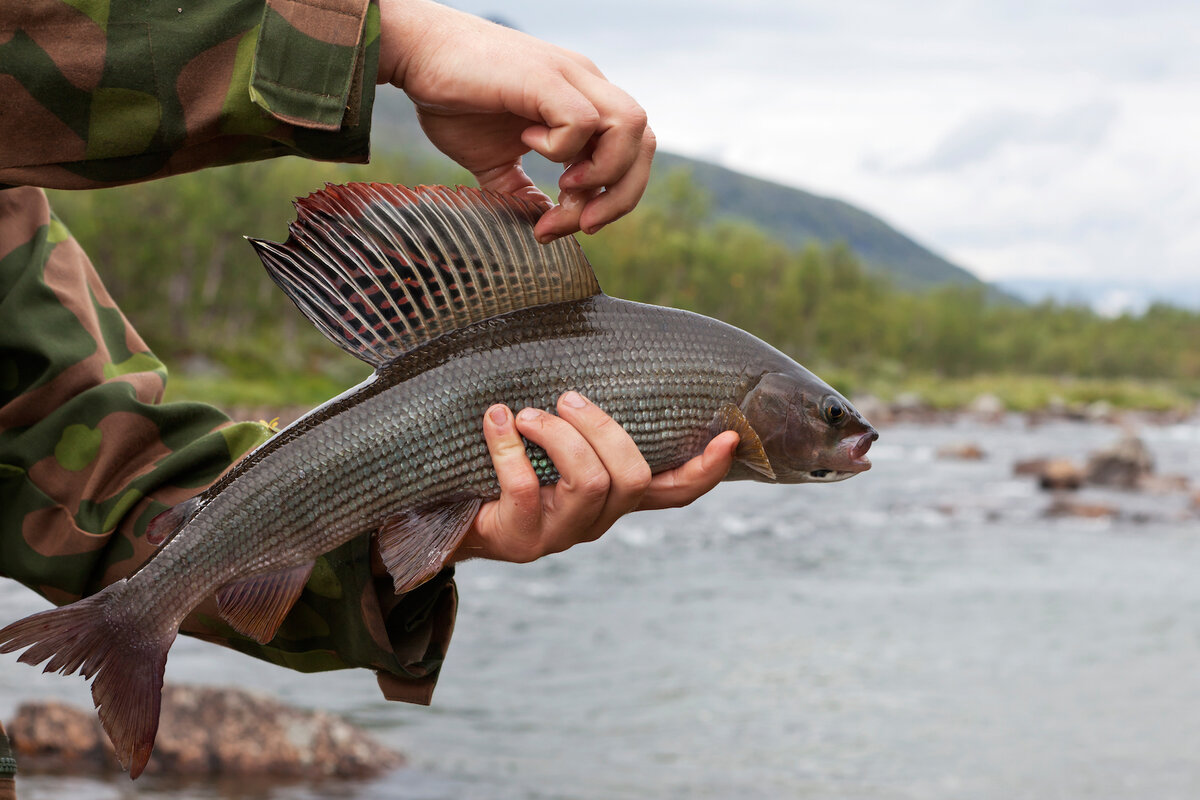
(1051, 140)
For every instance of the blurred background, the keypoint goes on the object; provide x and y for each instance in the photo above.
(978, 220)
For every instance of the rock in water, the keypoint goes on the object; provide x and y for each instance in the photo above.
(1122, 464)
(206, 731)
(961, 451)
(1060, 473)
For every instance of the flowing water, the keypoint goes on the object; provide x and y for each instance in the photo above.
(921, 631)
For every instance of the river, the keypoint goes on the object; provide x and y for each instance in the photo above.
(920, 631)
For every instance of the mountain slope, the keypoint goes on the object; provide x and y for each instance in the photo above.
(793, 215)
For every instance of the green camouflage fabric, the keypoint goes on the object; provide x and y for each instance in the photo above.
(98, 93)
(101, 92)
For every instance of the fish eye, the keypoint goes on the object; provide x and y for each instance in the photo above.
(835, 412)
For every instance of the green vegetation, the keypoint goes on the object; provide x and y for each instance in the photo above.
(172, 254)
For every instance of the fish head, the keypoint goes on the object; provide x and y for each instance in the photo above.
(809, 432)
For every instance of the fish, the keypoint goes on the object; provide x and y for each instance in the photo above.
(448, 295)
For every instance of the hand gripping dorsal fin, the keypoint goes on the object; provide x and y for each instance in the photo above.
(381, 269)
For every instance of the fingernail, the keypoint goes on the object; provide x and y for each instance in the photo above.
(547, 238)
(499, 415)
(574, 400)
(529, 414)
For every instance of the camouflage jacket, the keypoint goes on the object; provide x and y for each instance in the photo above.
(99, 92)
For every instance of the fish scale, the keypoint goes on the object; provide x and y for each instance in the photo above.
(397, 277)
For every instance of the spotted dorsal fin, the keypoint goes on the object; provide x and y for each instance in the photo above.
(381, 269)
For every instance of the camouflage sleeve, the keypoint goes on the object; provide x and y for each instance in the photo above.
(89, 455)
(104, 93)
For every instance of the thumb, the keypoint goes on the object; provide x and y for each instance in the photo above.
(512, 179)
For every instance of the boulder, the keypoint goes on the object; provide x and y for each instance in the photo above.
(1029, 466)
(1058, 474)
(207, 731)
(1120, 465)
(56, 737)
(962, 451)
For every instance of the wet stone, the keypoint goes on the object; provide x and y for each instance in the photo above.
(1060, 474)
(961, 451)
(206, 731)
(1122, 464)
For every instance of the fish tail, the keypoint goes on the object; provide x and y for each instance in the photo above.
(124, 661)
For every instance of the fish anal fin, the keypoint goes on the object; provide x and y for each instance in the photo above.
(171, 520)
(381, 269)
(415, 544)
(256, 606)
(750, 450)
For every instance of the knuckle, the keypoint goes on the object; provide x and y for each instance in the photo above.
(525, 490)
(594, 485)
(635, 117)
(587, 116)
(649, 141)
(637, 478)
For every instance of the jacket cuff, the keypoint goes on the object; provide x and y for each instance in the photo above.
(309, 61)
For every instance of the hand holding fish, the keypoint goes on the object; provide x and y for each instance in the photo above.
(604, 476)
(487, 94)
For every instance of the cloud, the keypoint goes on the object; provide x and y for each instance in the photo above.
(979, 138)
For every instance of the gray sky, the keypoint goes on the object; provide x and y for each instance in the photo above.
(1050, 138)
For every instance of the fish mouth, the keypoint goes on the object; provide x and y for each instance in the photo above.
(858, 450)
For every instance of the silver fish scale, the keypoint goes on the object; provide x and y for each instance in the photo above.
(412, 437)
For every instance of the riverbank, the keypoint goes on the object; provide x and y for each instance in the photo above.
(883, 399)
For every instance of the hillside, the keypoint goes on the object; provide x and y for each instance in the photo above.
(790, 214)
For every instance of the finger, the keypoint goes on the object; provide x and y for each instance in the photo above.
(682, 485)
(617, 143)
(628, 473)
(577, 500)
(569, 121)
(509, 528)
(563, 218)
(621, 198)
(512, 179)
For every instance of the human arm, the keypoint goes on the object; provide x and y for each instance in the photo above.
(156, 90)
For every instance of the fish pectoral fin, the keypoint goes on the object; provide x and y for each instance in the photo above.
(750, 449)
(256, 606)
(415, 544)
(170, 521)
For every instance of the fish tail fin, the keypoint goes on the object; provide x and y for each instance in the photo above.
(124, 661)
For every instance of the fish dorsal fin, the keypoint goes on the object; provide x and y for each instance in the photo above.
(381, 269)
(750, 450)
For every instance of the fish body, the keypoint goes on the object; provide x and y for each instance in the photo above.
(404, 280)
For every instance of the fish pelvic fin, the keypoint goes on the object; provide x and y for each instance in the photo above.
(415, 544)
(256, 606)
(125, 665)
(381, 269)
(171, 521)
(750, 450)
